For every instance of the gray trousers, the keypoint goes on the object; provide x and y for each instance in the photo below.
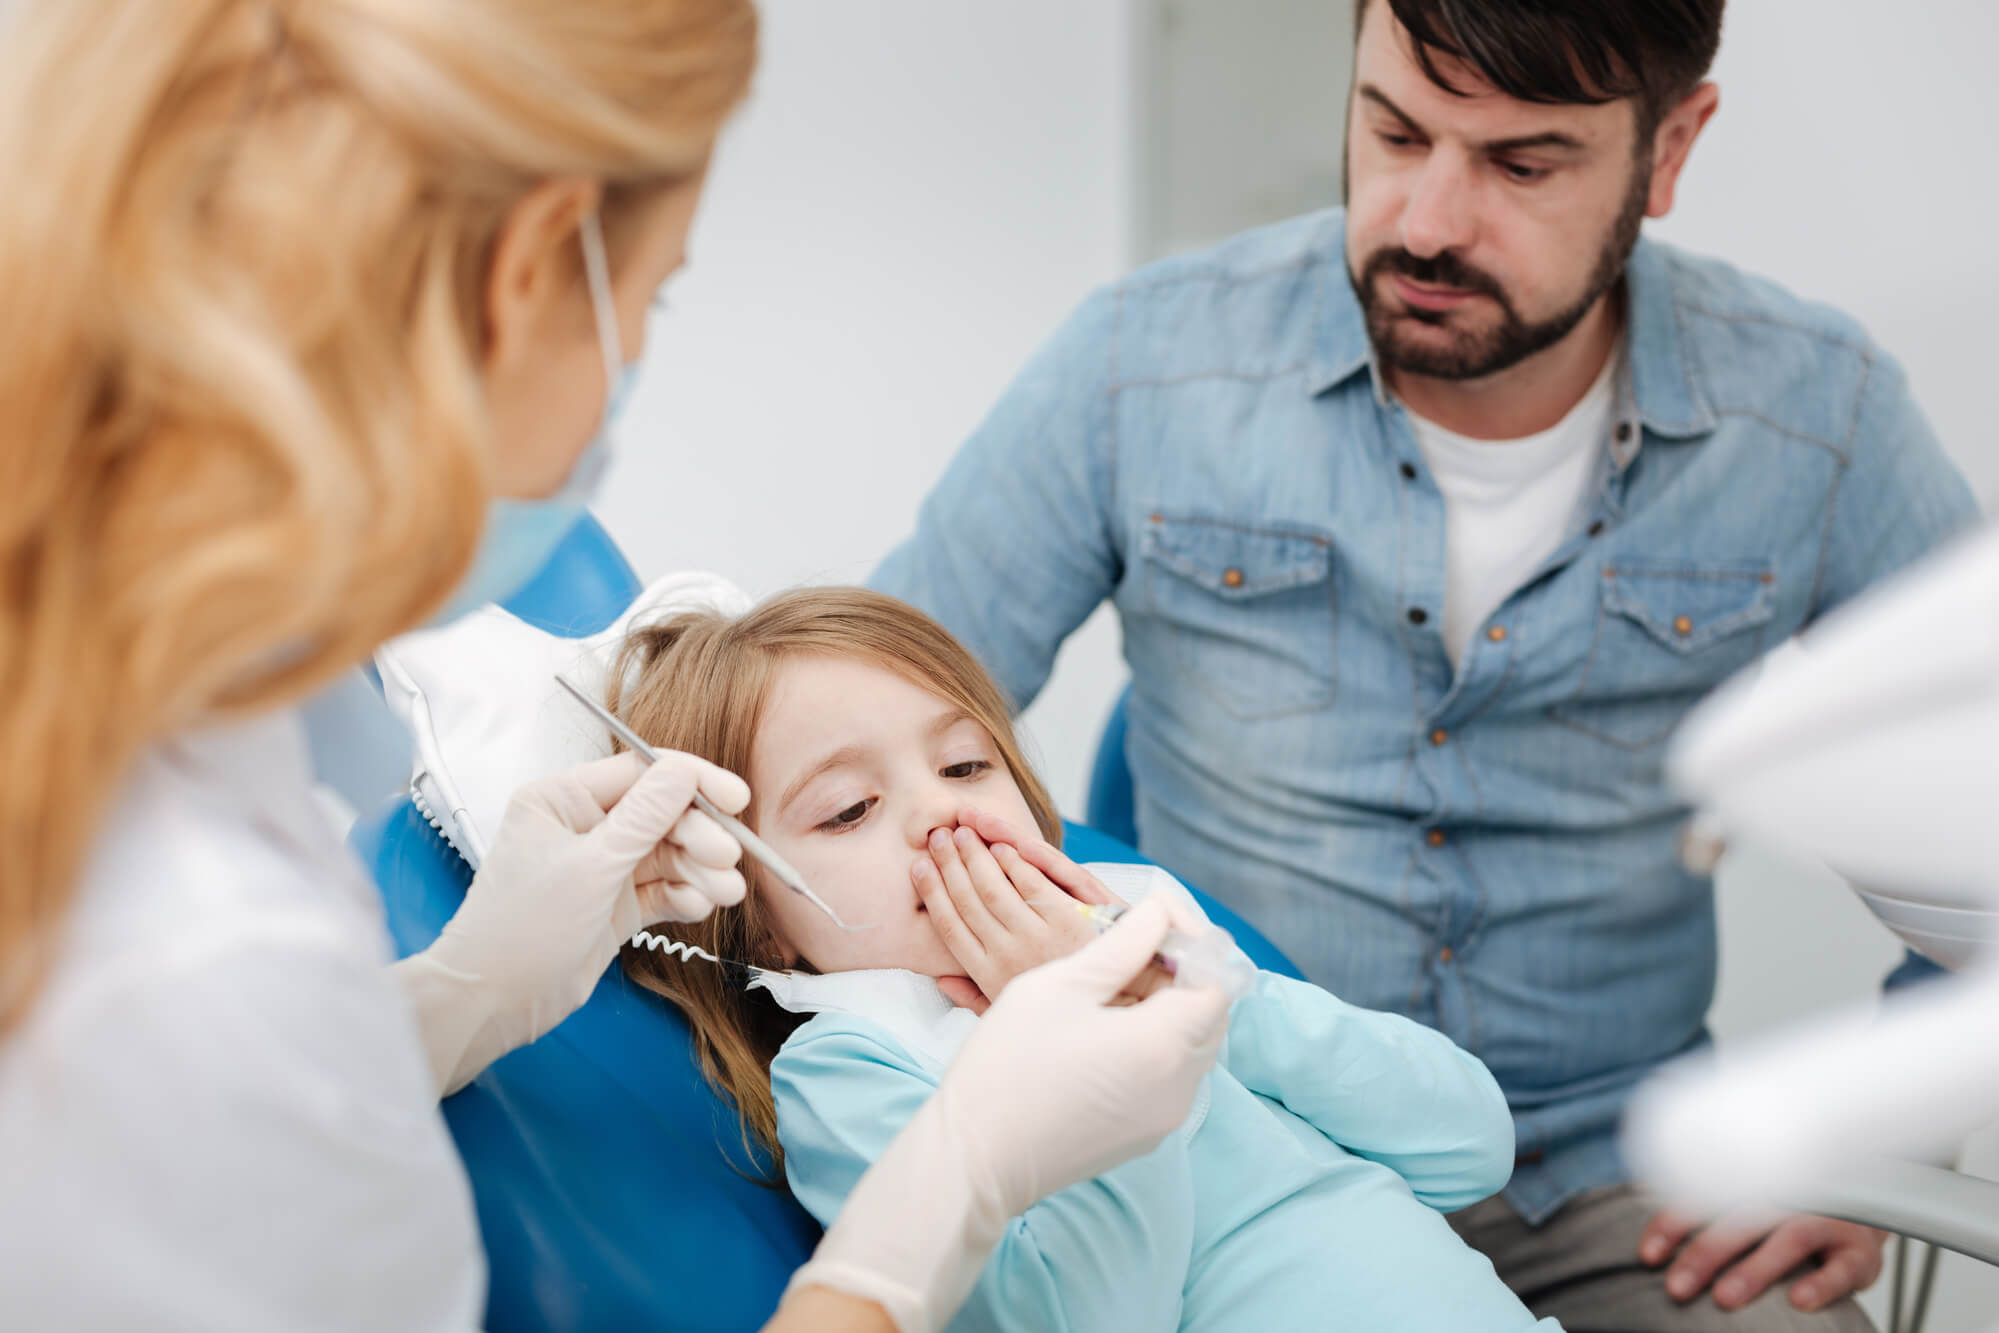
(1581, 1266)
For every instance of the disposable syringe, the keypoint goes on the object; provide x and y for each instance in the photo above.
(1210, 958)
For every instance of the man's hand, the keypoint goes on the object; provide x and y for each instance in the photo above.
(997, 914)
(1742, 1255)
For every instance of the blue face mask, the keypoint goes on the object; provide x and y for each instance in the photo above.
(521, 534)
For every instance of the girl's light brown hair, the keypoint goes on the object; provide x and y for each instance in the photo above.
(242, 273)
(700, 683)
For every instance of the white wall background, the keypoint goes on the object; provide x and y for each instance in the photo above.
(915, 197)
(922, 188)
(1212, 77)
(1856, 159)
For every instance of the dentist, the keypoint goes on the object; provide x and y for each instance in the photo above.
(315, 313)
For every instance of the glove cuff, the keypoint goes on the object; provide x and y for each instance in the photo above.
(458, 1018)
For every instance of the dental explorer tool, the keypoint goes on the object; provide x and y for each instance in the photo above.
(735, 828)
(1209, 958)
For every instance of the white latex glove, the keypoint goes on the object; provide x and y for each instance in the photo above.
(1052, 1088)
(582, 861)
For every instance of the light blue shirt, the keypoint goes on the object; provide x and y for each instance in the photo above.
(1489, 850)
(1308, 1184)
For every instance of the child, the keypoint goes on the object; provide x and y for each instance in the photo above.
(1306, 1189)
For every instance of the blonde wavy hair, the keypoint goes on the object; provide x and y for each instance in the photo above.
(243, 267)
(700, 683)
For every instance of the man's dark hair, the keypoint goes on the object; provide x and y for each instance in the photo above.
(1569, 51)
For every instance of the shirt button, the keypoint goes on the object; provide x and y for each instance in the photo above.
(1444, 955)
(1232, 577)
(1408, 472)
(1497, 634)
(1435, 837)
(1596, 528)
(1683, 625)
(1439, 736)
(1417, 615)
(1623, 432)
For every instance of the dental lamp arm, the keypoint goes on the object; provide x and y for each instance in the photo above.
(1914, 1199)
(1769, 1120)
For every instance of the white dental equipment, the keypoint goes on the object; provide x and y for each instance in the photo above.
(1209, 958)
(683, 950)
(734, 827)
(1875, 749)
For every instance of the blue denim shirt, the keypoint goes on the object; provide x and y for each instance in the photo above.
(1491, 849)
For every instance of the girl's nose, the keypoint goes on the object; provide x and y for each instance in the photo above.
(936, 807)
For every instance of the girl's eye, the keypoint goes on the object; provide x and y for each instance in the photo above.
(971, 768)
(849, 817)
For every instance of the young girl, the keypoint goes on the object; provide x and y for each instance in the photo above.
(1307, 1187)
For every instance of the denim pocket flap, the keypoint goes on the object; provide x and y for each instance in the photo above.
(1687, 607)
(1237, 562)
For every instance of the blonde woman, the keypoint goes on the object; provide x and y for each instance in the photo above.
(312, 317)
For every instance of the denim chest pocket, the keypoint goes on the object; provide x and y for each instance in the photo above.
(1246, 613)
(1667, 632)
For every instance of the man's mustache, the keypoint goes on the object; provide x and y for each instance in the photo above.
(1443, 269)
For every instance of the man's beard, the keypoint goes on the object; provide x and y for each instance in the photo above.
(1473, 356)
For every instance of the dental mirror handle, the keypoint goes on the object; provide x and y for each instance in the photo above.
(735, 828)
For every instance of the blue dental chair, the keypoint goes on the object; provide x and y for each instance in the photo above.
(613, 1187)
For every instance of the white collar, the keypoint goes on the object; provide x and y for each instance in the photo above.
(906, 1004)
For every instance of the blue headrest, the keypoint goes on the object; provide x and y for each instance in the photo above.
(586, 584)
(612, 1185)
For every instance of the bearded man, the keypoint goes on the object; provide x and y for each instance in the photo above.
(1427, 519)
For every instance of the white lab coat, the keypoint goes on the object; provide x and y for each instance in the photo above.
(218, 1115)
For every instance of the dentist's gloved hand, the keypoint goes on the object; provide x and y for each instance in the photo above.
(1052, 1088)
(582, 861)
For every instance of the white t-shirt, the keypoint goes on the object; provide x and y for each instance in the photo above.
(1508, 504)
(219, 1114)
